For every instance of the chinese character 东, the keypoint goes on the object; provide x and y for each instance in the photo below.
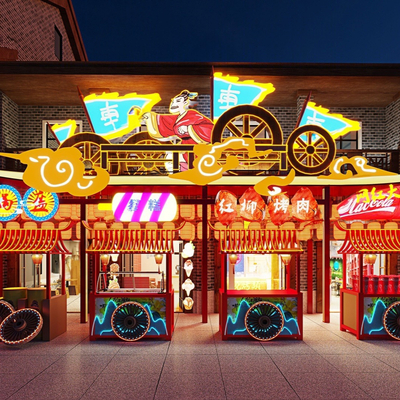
(109, 114)
(154, 205)
(39, 203)
(250, 206)
(5, 203)
(228, 97)
(133, 205)
(303, 205)
(283, 205)
(228, 207)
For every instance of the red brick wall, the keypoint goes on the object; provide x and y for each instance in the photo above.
(28, 27)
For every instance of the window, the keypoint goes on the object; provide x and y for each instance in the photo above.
(48, 139)
(350, 141)
(57, 44)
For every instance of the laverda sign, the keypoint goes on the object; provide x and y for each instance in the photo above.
(382, 203)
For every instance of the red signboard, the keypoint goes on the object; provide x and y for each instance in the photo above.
(381, 203)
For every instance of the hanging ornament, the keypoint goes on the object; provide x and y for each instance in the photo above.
(188, 286)
(188, 267)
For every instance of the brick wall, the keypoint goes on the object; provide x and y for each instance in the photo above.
(31, 117)
(392, 117)
(28, 27)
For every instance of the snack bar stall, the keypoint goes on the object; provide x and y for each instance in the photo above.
(135, 302)
(370, 299)
(24, 311)
(270, 308)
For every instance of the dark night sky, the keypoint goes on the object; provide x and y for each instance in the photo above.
(342, 31)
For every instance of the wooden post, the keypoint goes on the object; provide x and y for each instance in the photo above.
(310, 288)
(82, 252)
(326, 293)
(63, 274)
(204, 264)
(48, 275)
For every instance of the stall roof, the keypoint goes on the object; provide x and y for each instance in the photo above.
(371, 241)
(333, 85)
(33, 240)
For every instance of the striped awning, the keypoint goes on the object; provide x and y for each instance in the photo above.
(370, 241)
(33, 240)
(259, 241)
(141, 241)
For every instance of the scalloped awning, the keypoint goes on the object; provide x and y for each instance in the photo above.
(33, 240)
(259, 241)
(131, 240)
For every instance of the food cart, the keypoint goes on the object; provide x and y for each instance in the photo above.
(254, 305)
(370, 300)
(135, 302)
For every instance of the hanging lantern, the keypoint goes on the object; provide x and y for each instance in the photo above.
(37, 258)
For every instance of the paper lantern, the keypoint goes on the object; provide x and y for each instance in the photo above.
(187, 232)
(187, 211)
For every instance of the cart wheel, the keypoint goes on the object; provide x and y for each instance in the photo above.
(6, 309)
(89, 145)
(264, 321)
(21, 326)
(311, 149)
(130, 321)
(248, 121)
(143, 161)
(391, 320)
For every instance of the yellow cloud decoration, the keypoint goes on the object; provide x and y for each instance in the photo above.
(60, 171)
(206, 168)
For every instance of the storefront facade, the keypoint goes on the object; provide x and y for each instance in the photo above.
(159, 155)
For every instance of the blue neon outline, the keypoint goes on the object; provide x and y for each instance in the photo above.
(18, 196)
(278, 304)
(372, 318)
(146, 305)
(40, 219)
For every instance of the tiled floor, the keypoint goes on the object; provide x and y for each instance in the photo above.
(196, 364)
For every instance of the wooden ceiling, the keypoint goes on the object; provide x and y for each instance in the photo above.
(333, 85)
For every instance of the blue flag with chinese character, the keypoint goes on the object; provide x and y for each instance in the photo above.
(229, 92)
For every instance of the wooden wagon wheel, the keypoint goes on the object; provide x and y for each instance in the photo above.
(143, 161)
(250, 121)
(311, 149)
(89, 145)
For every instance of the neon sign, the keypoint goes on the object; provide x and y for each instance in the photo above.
(10, 201)
(229, 92)
(142, 207)
(375, 204)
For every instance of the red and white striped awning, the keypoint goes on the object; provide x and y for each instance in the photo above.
(33, 240)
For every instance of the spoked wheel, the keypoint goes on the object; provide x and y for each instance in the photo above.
(130, 321)
(21, 326)
(264, 321)
(144, 160)
(311, 149)
(6, 309)
(391, 320)
(89, 145)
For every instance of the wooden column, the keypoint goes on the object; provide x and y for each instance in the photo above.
(310, 288)
(326, 293)
(82, 252)
(63, 274)
(204, 264)
(1, 275)
(48, 275)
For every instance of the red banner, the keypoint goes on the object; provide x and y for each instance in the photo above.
(381, 203)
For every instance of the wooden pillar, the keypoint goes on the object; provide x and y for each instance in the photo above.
(82, 252)
(63, 274)
(298, 273)
(204, 263)
(310, 288)
(1, 275)
(326, 294)
(48, 275)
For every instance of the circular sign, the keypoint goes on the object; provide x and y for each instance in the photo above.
(39, 205)
(10, 201)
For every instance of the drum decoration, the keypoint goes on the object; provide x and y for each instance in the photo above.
(264, 321)
(391, 320)
(130, 321)
(21, 326)
(40, 206)
(6, 309)
(10, 201)
(252, 206)
(225, 207)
